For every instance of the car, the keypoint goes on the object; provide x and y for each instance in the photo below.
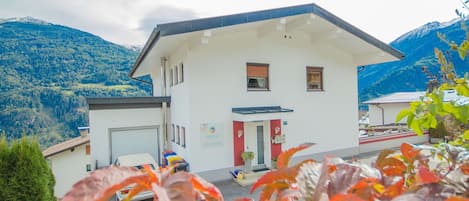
(138, 161)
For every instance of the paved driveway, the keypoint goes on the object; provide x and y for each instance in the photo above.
(231, 190)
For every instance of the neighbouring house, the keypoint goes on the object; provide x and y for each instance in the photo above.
(383, 110)
(70, 161)
(261, 81)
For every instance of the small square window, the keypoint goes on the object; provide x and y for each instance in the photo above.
(314, 79)
(257, 77)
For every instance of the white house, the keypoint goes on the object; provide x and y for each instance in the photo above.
(261, 81)
(70, 161)
(383, 110)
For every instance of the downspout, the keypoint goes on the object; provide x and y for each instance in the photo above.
(382, 113)
(164, 109)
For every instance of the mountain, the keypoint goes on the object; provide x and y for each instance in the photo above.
(406, 75)
(47, 70)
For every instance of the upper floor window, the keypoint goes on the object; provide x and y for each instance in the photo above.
(257, 77)
(314, 79)
(181, 71)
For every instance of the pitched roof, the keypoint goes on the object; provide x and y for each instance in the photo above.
(64, 146)
(248, 17)
(399, 97)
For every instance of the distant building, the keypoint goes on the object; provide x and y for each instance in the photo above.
(383, 110)
(70, 161)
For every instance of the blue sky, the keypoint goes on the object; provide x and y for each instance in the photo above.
(129, 22)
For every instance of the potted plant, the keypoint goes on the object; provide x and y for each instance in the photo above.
(247, 157)
(438, 133)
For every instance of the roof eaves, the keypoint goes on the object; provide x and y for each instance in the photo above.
(242, 18)
(51, 152)
(154, 37)
(355, 31)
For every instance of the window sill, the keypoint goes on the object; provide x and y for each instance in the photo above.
(254, 89)
(315, 90)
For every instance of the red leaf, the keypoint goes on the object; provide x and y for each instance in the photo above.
(243, 199)
(206, 188)
(284, 174)
(346, 197)
(465, 168)
(395, 189)
(284, 157)
(457, 198)
(103, 183)
(409, 151)
(425, 176)
(270, 189)
(367, 188)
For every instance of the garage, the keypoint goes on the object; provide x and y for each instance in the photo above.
(126, 141)
(121, 126)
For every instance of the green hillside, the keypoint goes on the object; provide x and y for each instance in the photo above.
(47, 71)
(406, 75)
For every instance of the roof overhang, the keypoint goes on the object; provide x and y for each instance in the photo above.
(107, 103)
(319, 24)
(246, 114)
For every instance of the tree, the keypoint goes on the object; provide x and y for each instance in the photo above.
(24, 173)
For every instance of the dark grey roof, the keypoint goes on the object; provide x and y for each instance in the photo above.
(242, 18)
(260, 110)
(100, 103)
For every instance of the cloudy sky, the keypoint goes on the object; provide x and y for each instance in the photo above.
(130, 22)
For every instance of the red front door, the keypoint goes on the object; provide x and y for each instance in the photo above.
(238, 142)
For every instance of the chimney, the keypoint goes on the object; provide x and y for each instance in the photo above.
(84, 131)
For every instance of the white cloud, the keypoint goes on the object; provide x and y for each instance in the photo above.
(129, 21)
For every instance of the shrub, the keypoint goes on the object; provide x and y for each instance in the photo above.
(24, 172)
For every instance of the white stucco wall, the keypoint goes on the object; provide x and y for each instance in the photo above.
(215, 82)
(68, 167)
(390, 113)
(102, 121)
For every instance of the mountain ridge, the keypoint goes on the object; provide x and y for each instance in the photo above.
(418, 46)
(48, 70)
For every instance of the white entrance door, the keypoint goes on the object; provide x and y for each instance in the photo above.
(256, 140)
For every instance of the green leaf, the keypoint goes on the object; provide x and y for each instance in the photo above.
(463, 49)
(410, 119)
(433, 122)
(403, 113)
(466, 135)
(416, 127)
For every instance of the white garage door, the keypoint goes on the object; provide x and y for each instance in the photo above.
(135, 141)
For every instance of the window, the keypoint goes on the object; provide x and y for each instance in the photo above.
(178, 134)
(171, 77)
(176, 75)
(182, 73)
(87, 149)
(88, 167)
(314, 79)
(183, 136)
(257, 77)
(173, 130)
